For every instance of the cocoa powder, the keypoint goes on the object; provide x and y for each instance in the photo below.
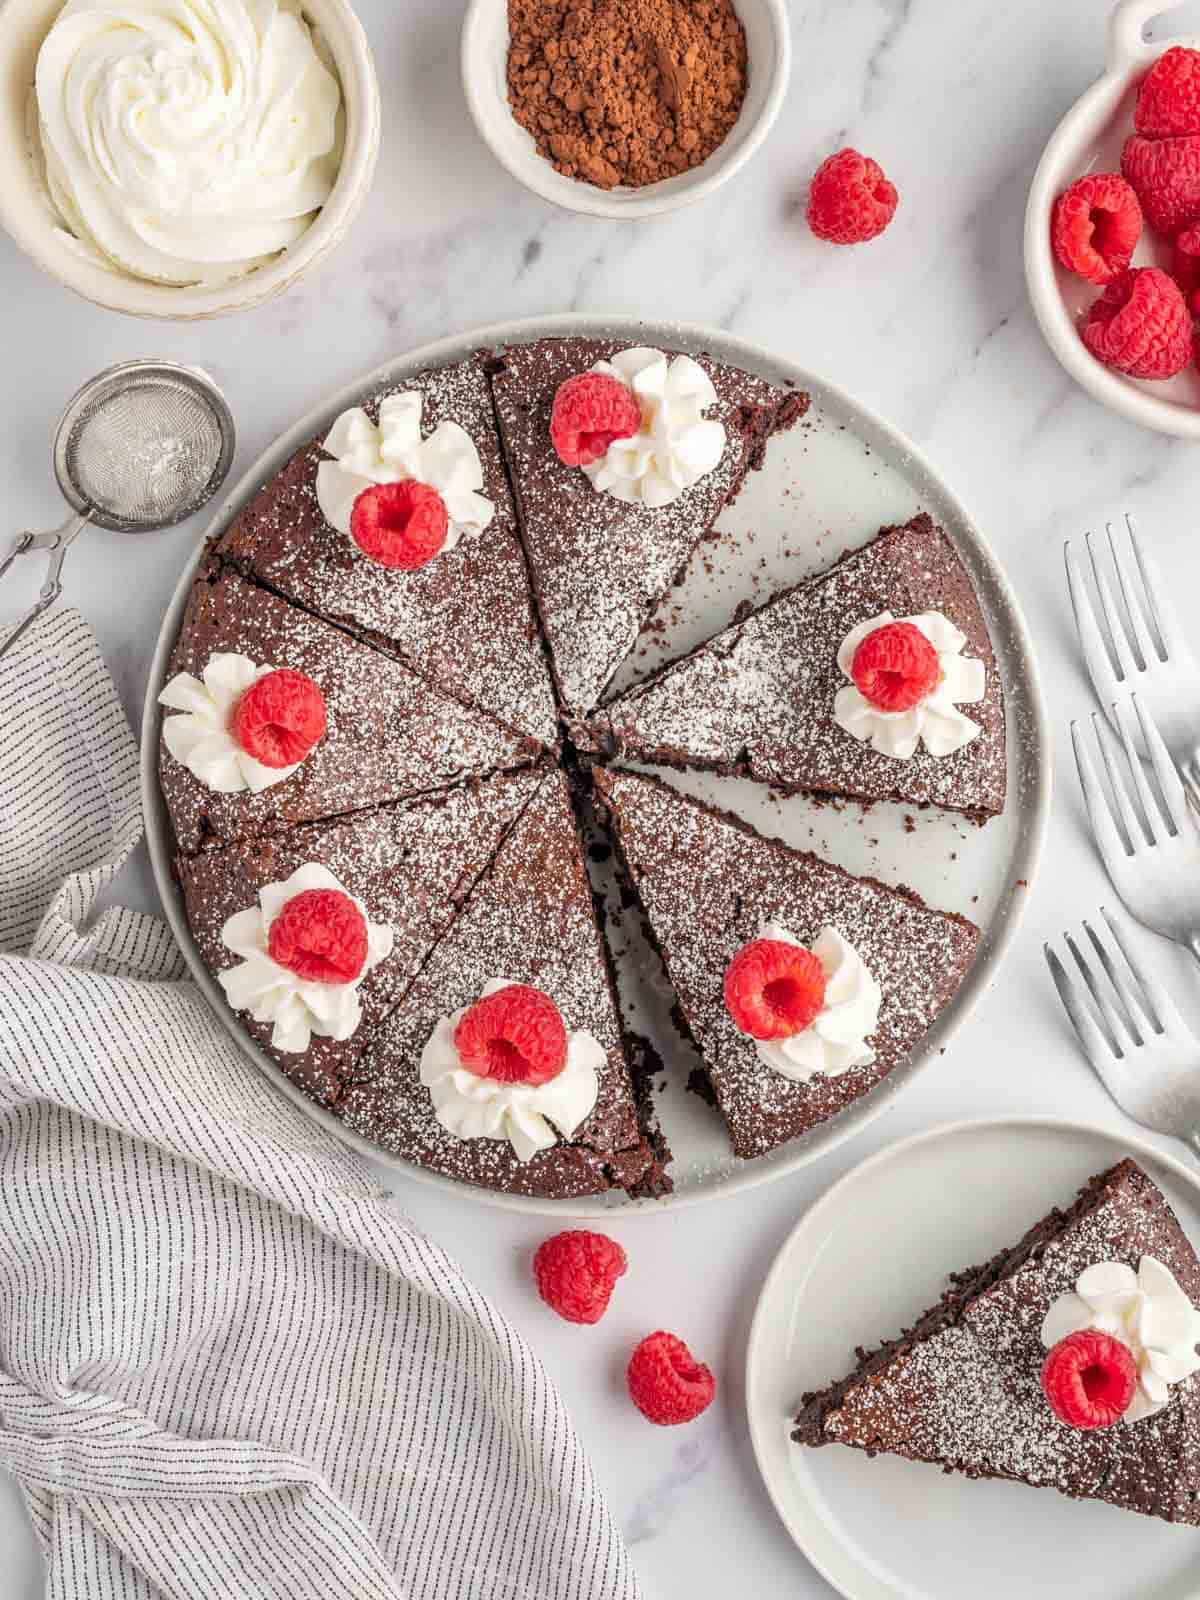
(625, 91)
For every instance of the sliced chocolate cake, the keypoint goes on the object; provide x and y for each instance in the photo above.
(530, 922)
(773, 697)
(445, 589)
(801, 985)
(1066, 1362)
(410, 866)
(386, 732)
(607, 537)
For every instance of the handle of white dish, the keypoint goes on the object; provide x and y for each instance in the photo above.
(1127, 27)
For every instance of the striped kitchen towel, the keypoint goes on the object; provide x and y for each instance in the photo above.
(228, 1366)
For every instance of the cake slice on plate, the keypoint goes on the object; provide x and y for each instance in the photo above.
(619, 473)
(801, 985)
(874, 681)
(359, 904)
(398, 524)
(1066, 1362)
(274, 717)
(503, 1065)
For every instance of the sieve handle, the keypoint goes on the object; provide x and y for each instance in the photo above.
(56, 541)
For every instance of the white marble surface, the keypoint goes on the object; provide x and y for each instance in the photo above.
(929, 326)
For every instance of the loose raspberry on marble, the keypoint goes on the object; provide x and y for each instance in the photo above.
(516, 1035)
(895, 667)
(1168, 102)
(400, 524)
(576, 1272)
(280, 718)
(590, 411)
(850, 200)
(666, 1382)
(1089, 1379)
(1140, 325)
(321, 935)
(1095, 226)
(1165, 175)
(774, 989)
(1185, 266)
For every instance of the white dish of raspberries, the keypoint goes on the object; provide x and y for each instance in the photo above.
(1112, 229)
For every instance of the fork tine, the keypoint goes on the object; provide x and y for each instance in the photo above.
(1095, 651)
(1162, 613)
(1134, 831)
(1108, 1068)
(1128, 1005)
(1170, 784)
(1125, 667)
(1159, 1006)
(1116, 1035)
(1130, 586)
(1156, 815)
(1113, 851)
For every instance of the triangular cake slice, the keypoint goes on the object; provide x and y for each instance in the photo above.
(412, 865)
(600, 564)
(389, 733)
(758, 699)
(465, 619)
(962, 1387)
(530, 921)
(709, 885)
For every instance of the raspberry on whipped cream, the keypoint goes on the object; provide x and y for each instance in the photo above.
(394, 450)
(498, 1069)
(206, 739)
(930, 715)
(817, 1018)
(303, 974)
(675, 445)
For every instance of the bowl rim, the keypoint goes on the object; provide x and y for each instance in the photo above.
(31, 227)
(540, 178)
(1128, 55)
(1035, 787)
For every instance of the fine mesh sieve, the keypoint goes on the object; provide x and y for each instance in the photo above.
(140, 447)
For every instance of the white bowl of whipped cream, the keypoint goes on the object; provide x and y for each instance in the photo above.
(183, 158)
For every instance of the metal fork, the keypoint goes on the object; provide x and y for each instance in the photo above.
(1139, 645)
(1148, 836)
(1143, 1051)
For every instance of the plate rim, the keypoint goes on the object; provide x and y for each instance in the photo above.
(1035, 800)
(1133, 1144)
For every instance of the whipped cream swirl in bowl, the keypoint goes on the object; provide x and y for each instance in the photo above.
(935, 721)
(527, 1115)
(201, 738)
(297, 1007)
(365, 453)
(186, 142)
(837, 1038)
(676, 444)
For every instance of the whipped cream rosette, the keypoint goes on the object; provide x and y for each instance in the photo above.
(935, 720)
(836, 1039)
(202, 738)
(676, 445)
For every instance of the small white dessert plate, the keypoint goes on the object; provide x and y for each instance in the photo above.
(871, 1255)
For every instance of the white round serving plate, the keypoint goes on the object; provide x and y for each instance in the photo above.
(873, 1253)
(1090, 139)
(828, 486)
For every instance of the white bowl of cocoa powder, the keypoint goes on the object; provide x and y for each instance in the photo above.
(625, 108)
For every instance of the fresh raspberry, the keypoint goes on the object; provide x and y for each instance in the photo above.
(280, 718)
(576, 1272)
(320, 935)
(1140, 325)
(590, 411)
(850, 200)
(1089, 1378)
(1185, 267)
(666, 1382)
(1096, 225)
(1168, 102)
(774, 989)
(895, 667)
(400, 524)
(516, 1035)
(1165, 174)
